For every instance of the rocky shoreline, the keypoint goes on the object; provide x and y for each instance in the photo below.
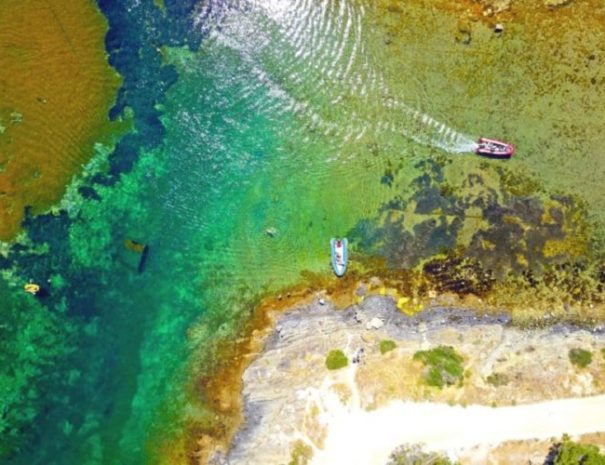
(287, 387)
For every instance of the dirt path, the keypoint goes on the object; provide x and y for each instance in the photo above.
(360, 437)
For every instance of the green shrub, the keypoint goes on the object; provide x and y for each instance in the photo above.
(301, 454)
(498, 379)
(336, 359)
(444, 366)
(580, 357)
(568, 452)
(386, 345)
(603, 352)
(413, 454)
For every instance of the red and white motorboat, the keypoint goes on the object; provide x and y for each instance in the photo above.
(494, 148)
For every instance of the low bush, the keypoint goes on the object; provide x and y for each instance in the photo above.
(567, 452)
(301, 454)
(413, 454)
(444, 366)
(386, 345)
(580, 357)
(498, 379)
(336, 359)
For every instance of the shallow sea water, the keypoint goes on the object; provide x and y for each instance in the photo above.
(298, 119)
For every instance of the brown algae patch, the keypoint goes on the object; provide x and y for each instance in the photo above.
(493, 233)
(56, 88)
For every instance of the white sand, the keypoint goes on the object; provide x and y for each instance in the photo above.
(359, 437)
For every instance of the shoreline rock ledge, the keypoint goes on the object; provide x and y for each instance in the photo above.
(293, 403)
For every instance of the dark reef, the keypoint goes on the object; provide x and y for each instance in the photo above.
(515, 230)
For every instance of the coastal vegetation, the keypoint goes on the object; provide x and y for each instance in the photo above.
(301, 454)
(443, 366)
(498, 379)
(568, 452)
(386, 345)
(336, 359)
(580, 357)
(414, 454)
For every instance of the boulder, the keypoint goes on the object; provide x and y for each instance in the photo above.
(501, 5)
(556, 3)
(374, 323)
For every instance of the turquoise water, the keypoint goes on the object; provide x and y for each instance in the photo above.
(242, 155)
(287, 119)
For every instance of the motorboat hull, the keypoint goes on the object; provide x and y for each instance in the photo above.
(493, 148)
(340, 255)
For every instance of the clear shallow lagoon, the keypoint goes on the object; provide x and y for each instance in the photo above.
(308, 119)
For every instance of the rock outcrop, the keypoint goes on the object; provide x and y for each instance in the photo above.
(289, 392)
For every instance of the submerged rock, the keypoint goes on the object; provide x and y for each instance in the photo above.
(501, 5)
(491, 7)
(463, 32)
(374, 323)
(556, 3)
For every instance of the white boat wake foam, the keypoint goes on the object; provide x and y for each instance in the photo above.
(312, 52)
(426, 130)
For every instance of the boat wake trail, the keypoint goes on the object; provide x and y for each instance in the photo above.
(312, 56)
(426, 130)
(437, 134)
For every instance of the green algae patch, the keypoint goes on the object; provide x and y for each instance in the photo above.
(580, 357)
(386, 345)
(160, 4)
(336, 359)
(32, 341)
(443, 366)
(56, 88)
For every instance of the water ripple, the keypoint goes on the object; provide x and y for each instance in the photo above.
(313, 55)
